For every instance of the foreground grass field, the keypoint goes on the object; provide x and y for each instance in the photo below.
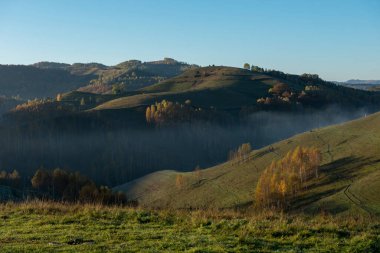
(50, 227)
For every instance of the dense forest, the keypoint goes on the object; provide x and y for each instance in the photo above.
(112, 155)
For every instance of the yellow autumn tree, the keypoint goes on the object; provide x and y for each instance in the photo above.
(148, 115)
(241, 153)
(283, 179)
(179, 181)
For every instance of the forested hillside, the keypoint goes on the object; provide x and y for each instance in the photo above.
(47, 79)
(192, 120)
(29, 82)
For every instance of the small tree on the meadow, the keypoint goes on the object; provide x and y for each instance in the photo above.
(179, 181)
(198, 173)
(281, 180)
(241, 153)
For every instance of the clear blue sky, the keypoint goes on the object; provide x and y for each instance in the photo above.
(337, 39)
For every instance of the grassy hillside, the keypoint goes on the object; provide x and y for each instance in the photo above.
(56, 227)
(207, 78)
(220, 87)
(351, 163)
(234, 88)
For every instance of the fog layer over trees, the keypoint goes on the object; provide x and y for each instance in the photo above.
(115, 157)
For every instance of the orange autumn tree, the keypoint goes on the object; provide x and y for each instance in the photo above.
(282, 179)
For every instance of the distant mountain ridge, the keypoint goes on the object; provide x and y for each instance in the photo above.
(50, 65)
(372, 85)
(47, 79)
(358, 81)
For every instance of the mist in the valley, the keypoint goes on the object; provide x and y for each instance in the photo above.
(114, 157)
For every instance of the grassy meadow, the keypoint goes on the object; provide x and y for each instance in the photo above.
(57, 227)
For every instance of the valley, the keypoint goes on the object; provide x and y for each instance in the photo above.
(190, 126)
(162, 151)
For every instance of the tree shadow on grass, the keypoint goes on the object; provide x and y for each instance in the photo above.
(336, 176)
(342, 169)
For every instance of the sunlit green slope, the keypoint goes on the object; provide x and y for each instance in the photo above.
(350, 177)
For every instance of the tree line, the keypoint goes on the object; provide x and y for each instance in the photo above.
(281, 95)
(167, 112)
(283, 179)
(59, 184)
(11, 179)
(322, 91)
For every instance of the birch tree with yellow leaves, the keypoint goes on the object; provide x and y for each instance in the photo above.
(283, 179)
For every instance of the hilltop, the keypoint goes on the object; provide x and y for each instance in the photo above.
(31, 82)
(47, 79)
(132, 75)
(349, 179)
(138, 84)
(205, 87)
(229, 88)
